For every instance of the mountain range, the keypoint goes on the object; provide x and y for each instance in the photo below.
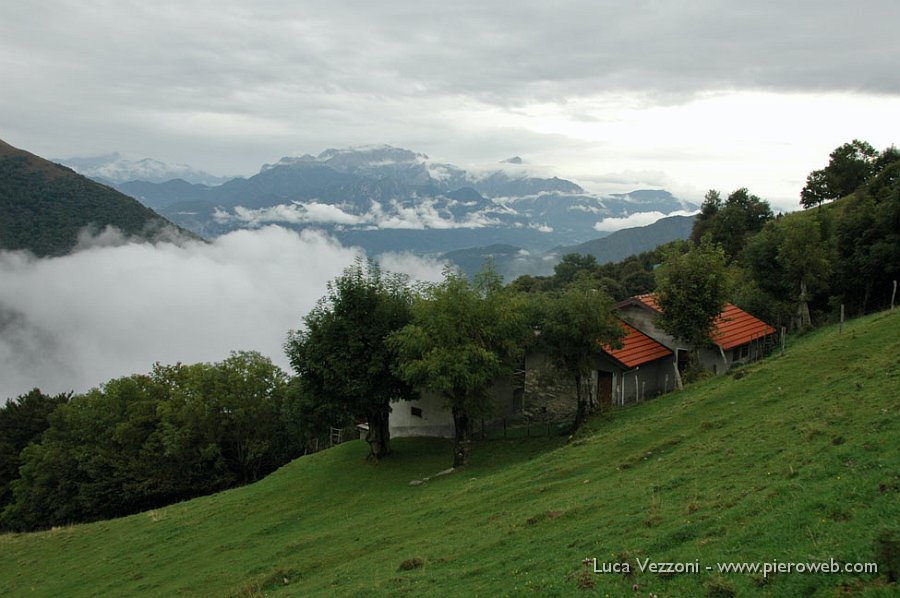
(386, 199)
(115, 169)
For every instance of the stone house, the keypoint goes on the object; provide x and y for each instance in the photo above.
(738, 337)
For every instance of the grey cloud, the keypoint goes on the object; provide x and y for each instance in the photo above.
(229, 56)
(226, 86)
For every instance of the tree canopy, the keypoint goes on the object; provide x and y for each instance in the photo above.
(573, 324)
(732, 222)
(147, 440)
(850, 166)
(463, 338)
(345, 366)
(692, 289)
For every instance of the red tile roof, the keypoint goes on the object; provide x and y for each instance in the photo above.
(733, 327)
(637, 348)
(736, 327)
(648, 299)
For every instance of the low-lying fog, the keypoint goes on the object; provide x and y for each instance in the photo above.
(114, 308)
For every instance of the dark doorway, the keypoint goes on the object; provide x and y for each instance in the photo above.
(604, 389)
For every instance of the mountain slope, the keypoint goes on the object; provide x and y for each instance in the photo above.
(513, 261)
(630, 241)
(794, 459)
(45, 205)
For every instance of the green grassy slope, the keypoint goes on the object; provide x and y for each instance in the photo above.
(794, 460)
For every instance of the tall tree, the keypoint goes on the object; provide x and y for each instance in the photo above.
(341, 355)
(571, 265)
(850, 166)
(463, 338)
(22, 421)
(712, 203)
(692, 289)
(574, 324)
(729, 223)
(805, 262)
(816, 190)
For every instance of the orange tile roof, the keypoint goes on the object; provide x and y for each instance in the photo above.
(733, 327)
(736, 327)
(648, 299)
(637, 348)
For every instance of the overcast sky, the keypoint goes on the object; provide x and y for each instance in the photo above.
(681, 95)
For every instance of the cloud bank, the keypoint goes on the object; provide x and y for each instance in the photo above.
(636, 219)
(425, 213)
(73, 322)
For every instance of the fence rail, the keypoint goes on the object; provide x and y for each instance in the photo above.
(507, 429)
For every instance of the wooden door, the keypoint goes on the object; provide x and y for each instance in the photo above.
(604, 389)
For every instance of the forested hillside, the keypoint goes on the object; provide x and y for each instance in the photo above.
(44, 206)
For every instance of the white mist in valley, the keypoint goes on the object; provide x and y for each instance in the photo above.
(109, 310)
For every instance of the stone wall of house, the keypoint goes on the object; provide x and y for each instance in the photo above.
(549, 394)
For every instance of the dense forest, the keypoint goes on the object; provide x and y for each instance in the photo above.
(143, 441)
(45, 206)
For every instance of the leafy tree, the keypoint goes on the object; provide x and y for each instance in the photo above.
(81, 469)
(574, 324)
(816, 191)
(220, 424)
(742, 215)
(692, 289)
(805, 262)
(731, 222)
(763, 288)
(712, 203)
(143, 441)
(344, 364)
(463, 337)
(850, 166)
(571, 265)
(867, 240)
(22, 421)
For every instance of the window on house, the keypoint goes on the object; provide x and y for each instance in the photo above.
(416, 411)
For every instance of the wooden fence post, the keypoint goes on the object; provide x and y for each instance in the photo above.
(893, 294)
(782, 340)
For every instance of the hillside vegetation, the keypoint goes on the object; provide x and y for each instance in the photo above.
(44, 206)
(793, 459)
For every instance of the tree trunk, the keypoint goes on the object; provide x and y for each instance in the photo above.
(803, 308)
(581, 411)
(379, 435)
(461, 437)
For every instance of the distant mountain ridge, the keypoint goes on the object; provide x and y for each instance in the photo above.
(44, 206)
(512, 261)
(115, 169)
(384, 198)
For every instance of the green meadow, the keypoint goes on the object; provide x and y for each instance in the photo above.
(795, 459)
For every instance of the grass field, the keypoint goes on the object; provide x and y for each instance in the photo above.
(793, 459)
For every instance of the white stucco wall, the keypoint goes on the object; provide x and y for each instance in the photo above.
(436, 419)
